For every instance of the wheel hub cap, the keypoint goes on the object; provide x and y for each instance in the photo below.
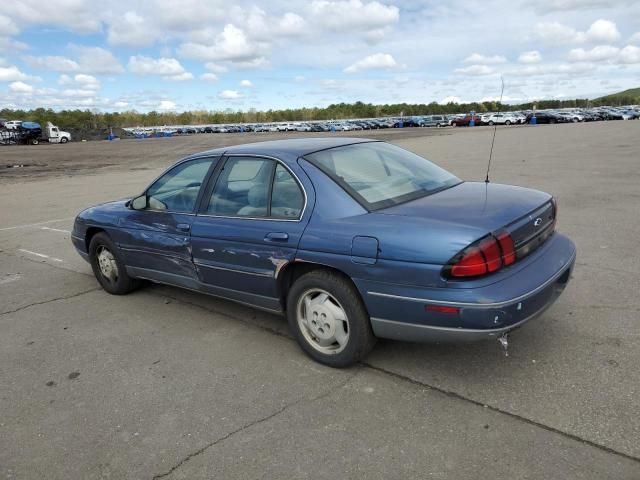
(323, 321)
(107, 263)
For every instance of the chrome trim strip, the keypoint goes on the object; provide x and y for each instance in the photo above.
(297, 179)
(200, 264)
(481, 305)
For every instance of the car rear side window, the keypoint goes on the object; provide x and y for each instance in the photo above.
(287, 199)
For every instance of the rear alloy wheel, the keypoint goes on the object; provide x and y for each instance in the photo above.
(491, 123)
(107, 266)
(328, 319)
(508, 122)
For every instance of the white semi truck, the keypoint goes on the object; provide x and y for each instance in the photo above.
(32, 133)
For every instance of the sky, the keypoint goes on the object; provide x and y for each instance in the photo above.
(177, 55)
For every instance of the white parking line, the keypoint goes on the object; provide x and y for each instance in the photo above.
(55, 229)
(36, 224)
(41, 255)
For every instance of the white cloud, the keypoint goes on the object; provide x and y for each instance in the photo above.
(532, 56)
(97, 60)
(8, 44)
(11, 74)
(166, 105)
(209, 77)
(635, 38)
(291, 24)
(141, 65)
(478, 59)
(606, 53)
(596, 54)
(600, 31)
(215, 68)
(79, 16)
(556, 69)
(54, 63)
(474, 70)
(246, 83)
(21, 87)
(556, 33)
(372, 62)
(450, 99)
(545, 6)
(629, 54)
(133, 30)
(230, 95)
(181, 77)
(7, 27)
(89, 81)
(299, 78)
(232, 45)
(353, 14)
(603, 31)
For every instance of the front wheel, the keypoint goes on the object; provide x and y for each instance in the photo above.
(64, 140)
(329, 319)
(108, 267)
(507, 123)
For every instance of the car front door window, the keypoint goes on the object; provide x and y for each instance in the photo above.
(177, 190)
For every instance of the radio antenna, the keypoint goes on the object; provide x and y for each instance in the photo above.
(495, 128)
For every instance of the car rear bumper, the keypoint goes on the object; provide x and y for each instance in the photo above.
(499, 308)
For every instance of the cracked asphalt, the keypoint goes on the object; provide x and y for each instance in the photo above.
(169, 384)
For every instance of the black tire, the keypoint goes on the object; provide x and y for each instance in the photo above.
(507, 123)
(491, 123)
(360, 335)
(34, 141)
(64, 140)
(118, 284)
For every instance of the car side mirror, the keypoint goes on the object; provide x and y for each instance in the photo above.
(139, 203)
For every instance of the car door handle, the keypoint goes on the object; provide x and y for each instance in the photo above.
(276, 237)
(183, 227)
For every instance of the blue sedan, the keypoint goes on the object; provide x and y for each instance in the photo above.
(352, 239)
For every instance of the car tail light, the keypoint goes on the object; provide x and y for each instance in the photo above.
(487, 255)
(506, 247)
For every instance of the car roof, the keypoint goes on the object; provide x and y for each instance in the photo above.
(289, 149)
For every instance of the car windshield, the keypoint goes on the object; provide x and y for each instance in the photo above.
(379, 175)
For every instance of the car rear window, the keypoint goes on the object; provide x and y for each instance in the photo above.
(379, 175)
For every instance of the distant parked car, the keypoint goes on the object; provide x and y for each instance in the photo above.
(324, 231)
(499, 119)
(434, 121)
(466, 120)
(546, 117)
(12, 124)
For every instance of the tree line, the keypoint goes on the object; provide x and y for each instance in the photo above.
(96, 120)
